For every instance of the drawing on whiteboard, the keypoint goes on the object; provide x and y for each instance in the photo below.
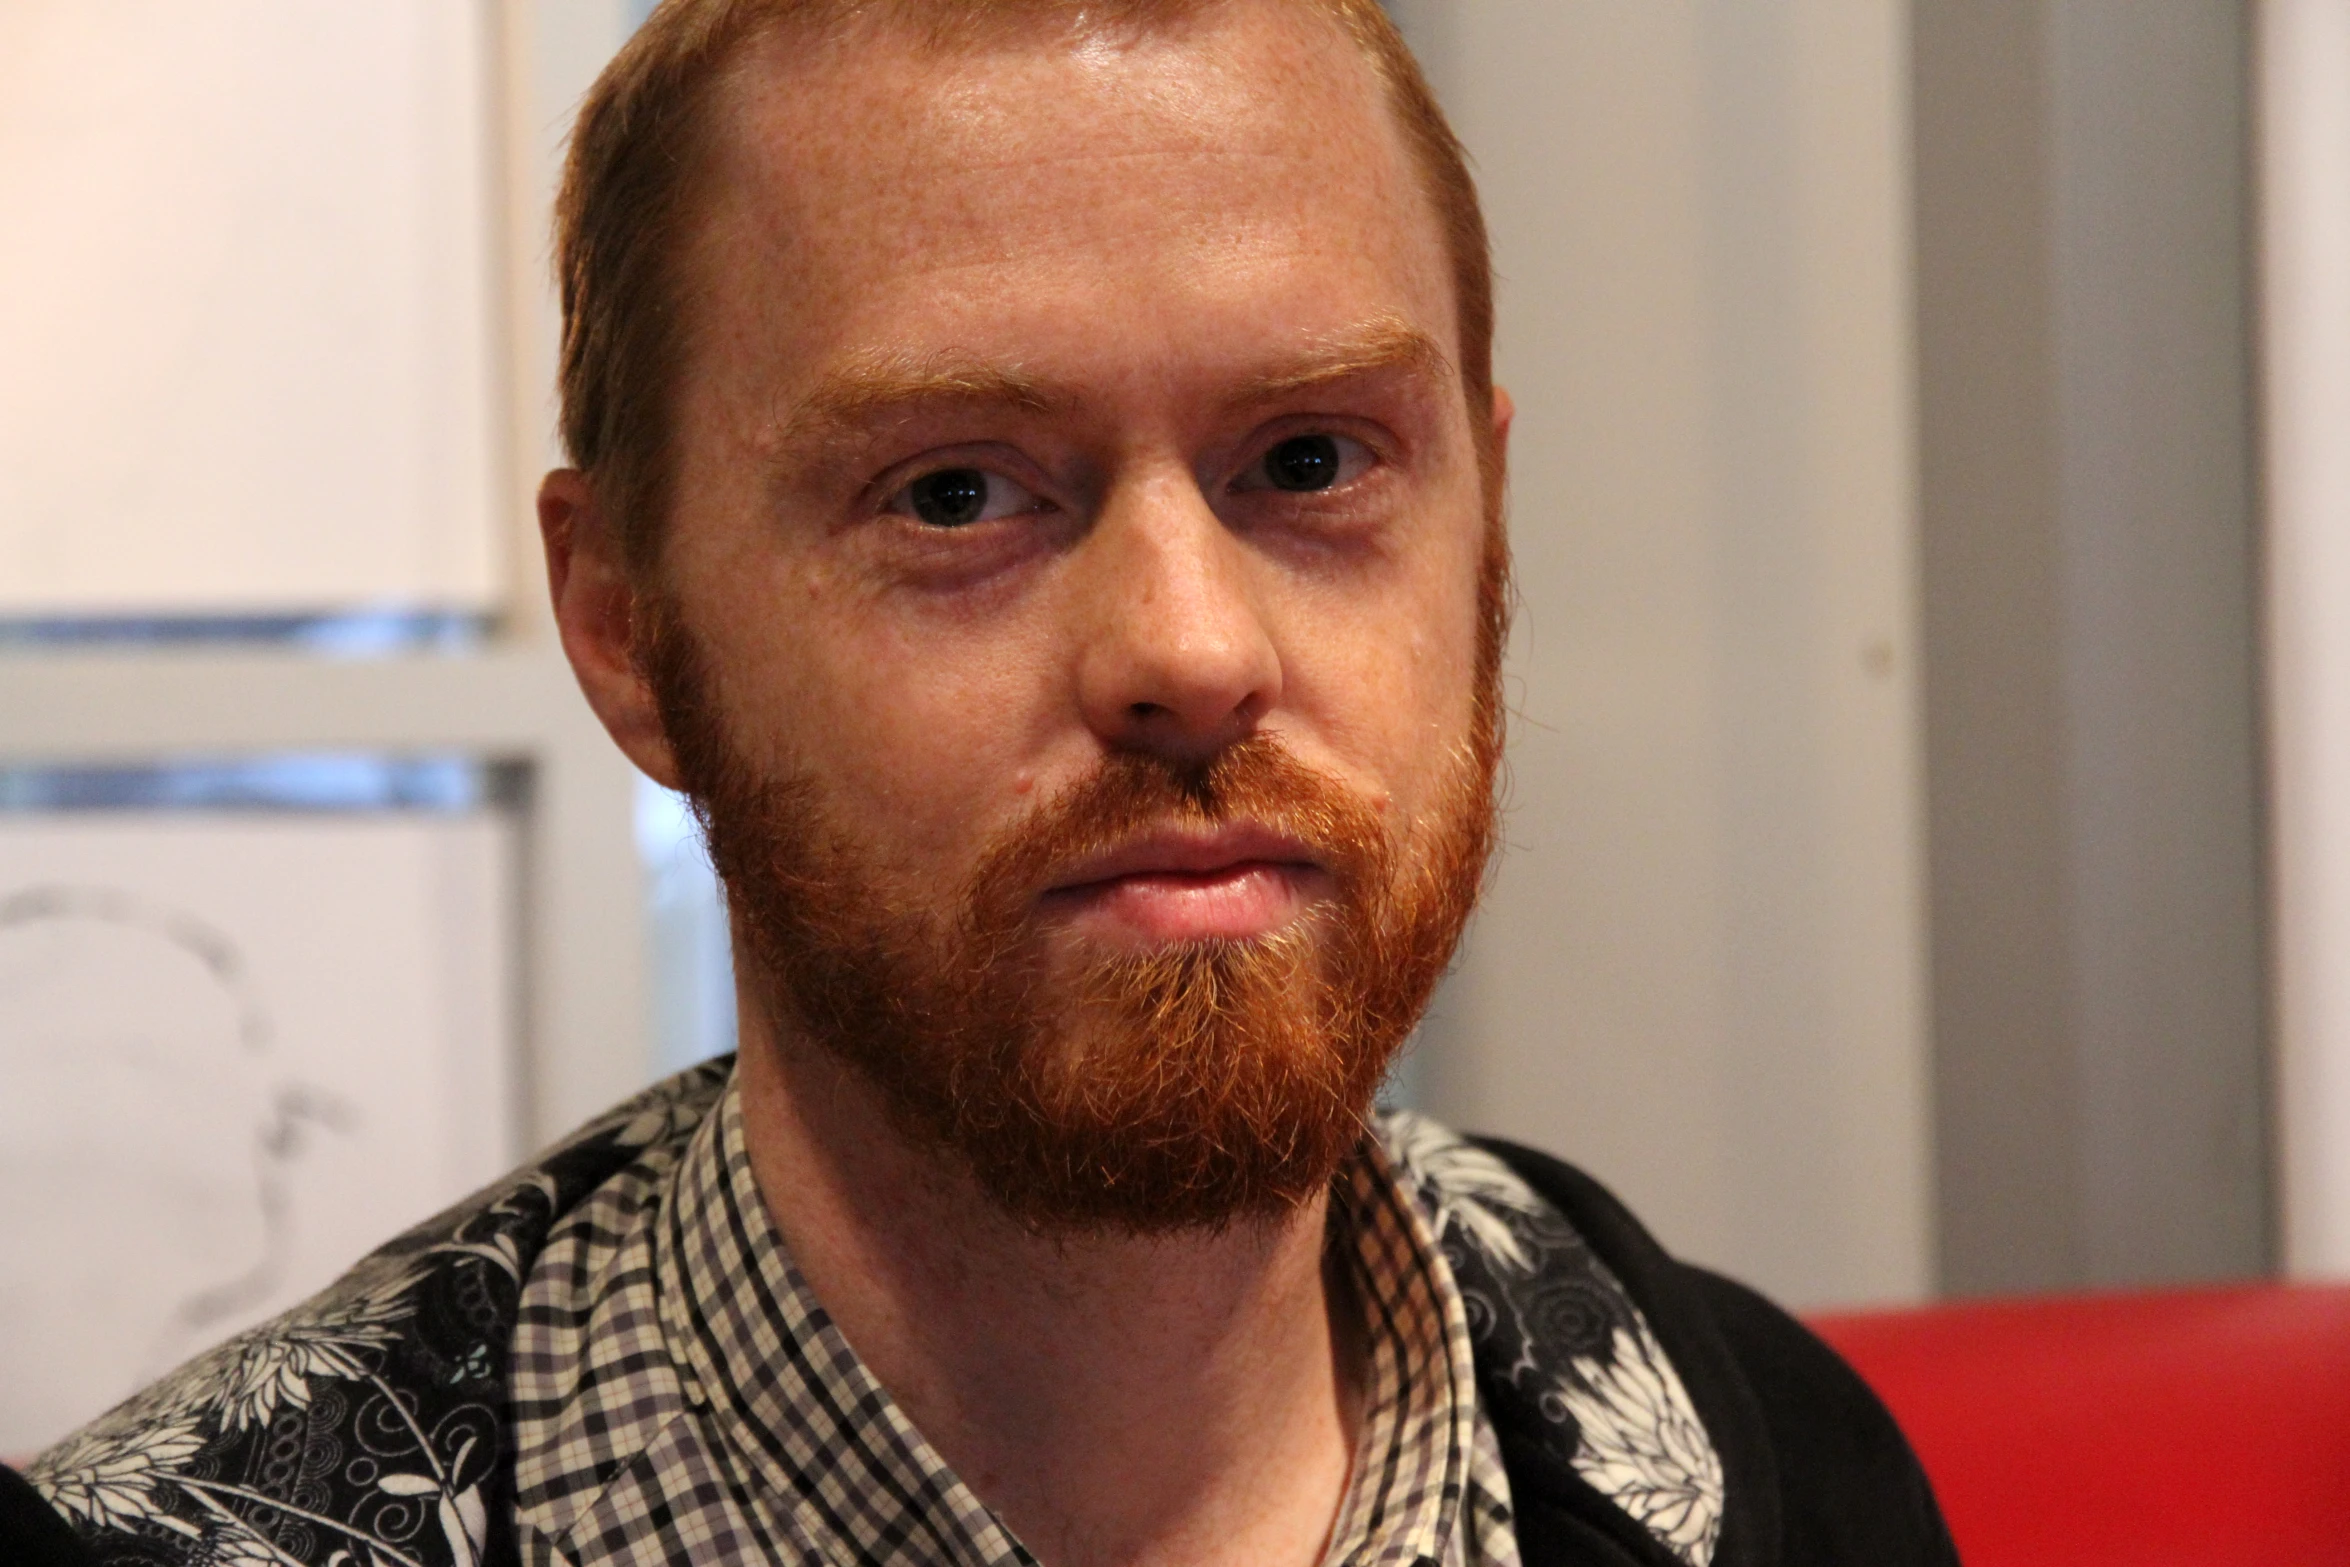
(149, 1141)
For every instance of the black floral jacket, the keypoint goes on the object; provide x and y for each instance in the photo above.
(1649, 1413)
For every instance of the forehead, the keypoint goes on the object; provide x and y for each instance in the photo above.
(1026, 187)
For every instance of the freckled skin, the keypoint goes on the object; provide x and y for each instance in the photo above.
(1143, 227)
(1146, 225)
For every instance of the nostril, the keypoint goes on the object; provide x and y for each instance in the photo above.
(1144, 709)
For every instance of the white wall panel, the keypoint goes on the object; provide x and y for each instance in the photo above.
(236, 1052)
(2304, 93)
(247, 354)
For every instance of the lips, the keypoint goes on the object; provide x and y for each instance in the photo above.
(1230, 883)
(1176, 853)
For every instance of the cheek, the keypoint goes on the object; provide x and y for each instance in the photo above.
(919, 732)
(1384, 672)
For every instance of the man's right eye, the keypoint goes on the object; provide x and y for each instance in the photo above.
(958, 497)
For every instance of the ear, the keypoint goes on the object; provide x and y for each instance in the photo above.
(596, 610)
(1505, 413)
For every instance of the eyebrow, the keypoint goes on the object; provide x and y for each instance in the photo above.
(873, 388)
(1382, 344)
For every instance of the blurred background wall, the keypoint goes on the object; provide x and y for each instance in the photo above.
(1889, 769)
(1929, 697)
(2084, 186)
(1711, 904)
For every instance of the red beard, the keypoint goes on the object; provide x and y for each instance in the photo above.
(1181, 1086)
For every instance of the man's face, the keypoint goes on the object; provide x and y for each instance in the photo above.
(1068, 429)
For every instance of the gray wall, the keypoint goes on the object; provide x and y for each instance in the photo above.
(1699, 971)
(2088, 548)
(1885, 675)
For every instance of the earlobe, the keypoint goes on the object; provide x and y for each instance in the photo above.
(596, 609)
(1505, 412)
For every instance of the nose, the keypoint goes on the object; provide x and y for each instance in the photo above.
(1177, 658)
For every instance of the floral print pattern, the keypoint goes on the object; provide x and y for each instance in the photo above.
(363, 1428)
(1552, 1323)
(97, 1477)
(366, 1428)
(1643, 1445)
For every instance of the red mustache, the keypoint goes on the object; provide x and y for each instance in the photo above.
(1255, 783)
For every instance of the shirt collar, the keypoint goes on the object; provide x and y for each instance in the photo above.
(1404, 1503)
(822, 1443)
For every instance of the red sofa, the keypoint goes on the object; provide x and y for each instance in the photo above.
(2202, 1427)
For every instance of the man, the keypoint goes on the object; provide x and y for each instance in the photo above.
(1038, 490)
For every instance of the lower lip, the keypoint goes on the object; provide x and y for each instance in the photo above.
(1254, 898)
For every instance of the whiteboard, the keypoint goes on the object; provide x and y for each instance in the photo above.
(246, 339)
(236, 1052)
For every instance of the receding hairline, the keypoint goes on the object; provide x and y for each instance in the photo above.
(866, 386)
(952, 27)
(672, 92)
(725, 128)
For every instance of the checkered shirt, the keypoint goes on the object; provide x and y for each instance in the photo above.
(681, 1395)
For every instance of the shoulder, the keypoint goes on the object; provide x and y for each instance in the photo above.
(375, 1411)
(1846, 1471)
(32, 1533)
(594, 1383)
(1816, 1469)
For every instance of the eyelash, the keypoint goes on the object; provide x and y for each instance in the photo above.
(1353, 457)
(1357, 456)
(907, 499)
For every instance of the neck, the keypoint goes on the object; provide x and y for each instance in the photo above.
(1165, 1400)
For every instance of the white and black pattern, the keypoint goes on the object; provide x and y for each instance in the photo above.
(607, 1358)
(1428, 1483)
(678, 1386)
(366, 1426)
(1546, 1315)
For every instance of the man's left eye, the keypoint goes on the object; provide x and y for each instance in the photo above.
(958, 497)
(1303, 464)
